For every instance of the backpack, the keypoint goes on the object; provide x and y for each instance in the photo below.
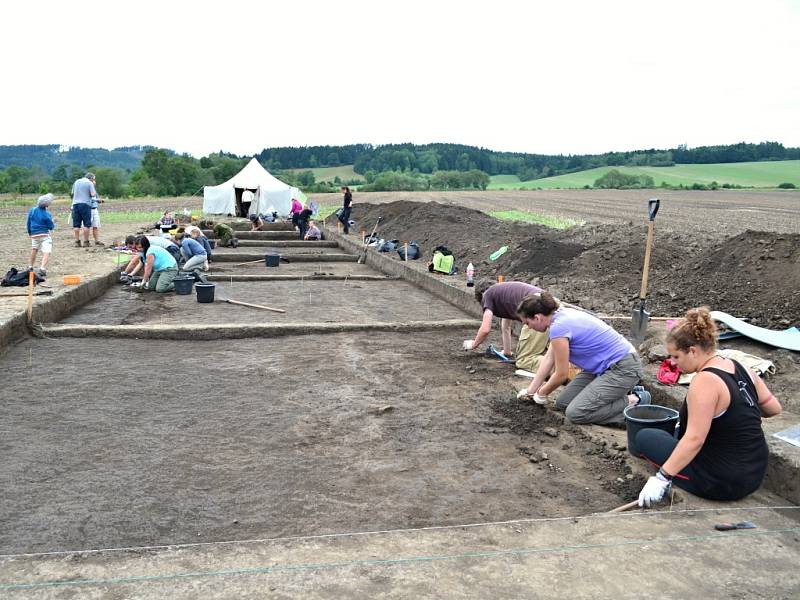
(668, 372)
(442, 263)
(413, 251)
(19, 278)
(388, 246)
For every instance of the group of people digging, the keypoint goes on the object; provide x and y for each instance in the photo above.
(718, 450)
(159, 258)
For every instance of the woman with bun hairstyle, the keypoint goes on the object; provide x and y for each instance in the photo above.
(718, 451)
(609, 363)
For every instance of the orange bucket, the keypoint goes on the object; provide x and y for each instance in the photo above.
(71, 279)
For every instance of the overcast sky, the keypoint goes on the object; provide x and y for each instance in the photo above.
(568, 77)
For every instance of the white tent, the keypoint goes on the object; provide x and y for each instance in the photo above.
(225, 198)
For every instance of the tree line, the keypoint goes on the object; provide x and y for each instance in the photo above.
(162, 172)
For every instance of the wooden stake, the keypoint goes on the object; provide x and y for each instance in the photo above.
(277, 310)
(405, 245)
(31, 279)
(625, 507)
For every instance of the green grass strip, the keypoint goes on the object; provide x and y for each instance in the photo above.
(527, 217)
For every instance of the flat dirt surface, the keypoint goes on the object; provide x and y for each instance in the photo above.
(134, 442)
(317, 301)
(196, 441)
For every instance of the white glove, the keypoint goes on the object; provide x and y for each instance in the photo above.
(467, 345)
(523, 393)
(654, 490)
(541, 400)
(136, 284)
(146, 285)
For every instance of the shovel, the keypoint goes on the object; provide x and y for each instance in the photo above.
(640, 316)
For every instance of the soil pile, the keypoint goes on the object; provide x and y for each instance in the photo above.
(753, 275)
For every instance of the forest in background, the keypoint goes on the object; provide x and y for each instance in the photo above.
(149, 171)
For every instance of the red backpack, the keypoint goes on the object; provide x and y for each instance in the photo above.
(668, 372)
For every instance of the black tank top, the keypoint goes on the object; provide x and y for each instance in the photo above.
(733, 459)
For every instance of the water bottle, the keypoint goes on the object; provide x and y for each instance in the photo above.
(470, 275)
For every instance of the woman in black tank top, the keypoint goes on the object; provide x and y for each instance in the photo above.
(719, 451)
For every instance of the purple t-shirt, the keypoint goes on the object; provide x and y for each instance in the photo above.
(593, 345)
(503, 298)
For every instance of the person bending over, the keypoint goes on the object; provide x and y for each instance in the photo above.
(718, 450)
(193, 253)
(609, 363)
(501, 300)
(160, 268)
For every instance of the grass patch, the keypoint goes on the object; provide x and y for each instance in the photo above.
(325, 212)
(130, 217)
(527, 217)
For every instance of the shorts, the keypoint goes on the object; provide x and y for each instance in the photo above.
(81, 215)
(95, 218)
(43, 243)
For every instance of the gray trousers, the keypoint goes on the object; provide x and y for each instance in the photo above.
(196, 262)
(601, 398)
(162, 281)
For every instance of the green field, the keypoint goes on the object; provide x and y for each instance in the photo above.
(749, 174)
(344, 173)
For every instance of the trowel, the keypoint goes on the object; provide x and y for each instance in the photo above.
(640, 316)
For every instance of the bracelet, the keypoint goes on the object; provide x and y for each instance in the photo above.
(664, 474)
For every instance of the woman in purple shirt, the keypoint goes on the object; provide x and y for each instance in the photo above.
(608, 362)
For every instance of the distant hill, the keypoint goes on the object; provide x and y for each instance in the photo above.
(50, 156)
(746, 174)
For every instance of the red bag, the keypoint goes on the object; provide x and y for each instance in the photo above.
(668, 372)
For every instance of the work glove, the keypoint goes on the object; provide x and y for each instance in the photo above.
(146, 285)
(523, 393)
(136, 284)
(654, 490)
(123, 277)
(468, 344)
(540, 400)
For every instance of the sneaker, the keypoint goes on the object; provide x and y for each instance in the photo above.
(96, 243)
(77, 243)
(86, 244)
(42, 272)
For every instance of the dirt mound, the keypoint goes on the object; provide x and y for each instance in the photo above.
(755, 275)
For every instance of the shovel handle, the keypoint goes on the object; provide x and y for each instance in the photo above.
(646, 270)
(652, 208)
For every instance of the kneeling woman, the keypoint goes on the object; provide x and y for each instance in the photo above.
(719, 451)
(609, 363)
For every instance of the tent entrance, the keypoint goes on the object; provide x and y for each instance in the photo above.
(243, 207)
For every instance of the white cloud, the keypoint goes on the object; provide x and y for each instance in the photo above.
(569, 77)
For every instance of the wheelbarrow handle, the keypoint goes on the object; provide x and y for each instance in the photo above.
(652, 208)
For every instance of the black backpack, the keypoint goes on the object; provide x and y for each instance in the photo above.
(19, 278)
(413, 251)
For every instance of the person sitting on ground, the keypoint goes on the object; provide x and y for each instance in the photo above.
(256, 223)
(313, 233)
(193, 253)
(160, 268)
(136, 262)
(718, 450)
(610, 365)
(302, 222)
(166, 222)
(501, 300)
(40, 224)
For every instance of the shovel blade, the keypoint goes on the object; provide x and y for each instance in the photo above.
(639, 320)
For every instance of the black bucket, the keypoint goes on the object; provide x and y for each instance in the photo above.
(183, 285)
(272, 260)
(649, 416)
(205, 292)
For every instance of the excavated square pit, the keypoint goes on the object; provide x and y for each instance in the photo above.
(312, 300)
(111, 443)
